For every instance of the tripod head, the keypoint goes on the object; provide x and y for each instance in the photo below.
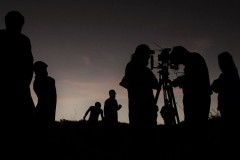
(163, 63)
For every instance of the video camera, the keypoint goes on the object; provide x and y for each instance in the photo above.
(164, 61)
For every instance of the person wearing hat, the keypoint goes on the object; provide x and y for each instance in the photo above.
(45, 89)
(140, 81)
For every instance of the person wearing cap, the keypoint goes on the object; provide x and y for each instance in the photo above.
(45, 89)
(140, 81)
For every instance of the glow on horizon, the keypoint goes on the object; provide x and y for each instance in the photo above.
(74, 98)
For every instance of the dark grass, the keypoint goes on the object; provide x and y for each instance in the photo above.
(77, 140)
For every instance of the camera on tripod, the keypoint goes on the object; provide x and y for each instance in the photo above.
(163, 61)
(163, 65)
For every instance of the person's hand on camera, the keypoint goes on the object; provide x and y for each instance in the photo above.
(174, 83)
(178, 82)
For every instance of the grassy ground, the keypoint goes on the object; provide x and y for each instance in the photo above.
(76, 140)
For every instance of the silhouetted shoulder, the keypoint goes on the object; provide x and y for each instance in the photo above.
(198, 57)
(25, 38)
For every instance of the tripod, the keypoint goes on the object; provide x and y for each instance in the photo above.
(168, 95)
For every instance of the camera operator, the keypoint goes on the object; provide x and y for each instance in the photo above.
(195, 85)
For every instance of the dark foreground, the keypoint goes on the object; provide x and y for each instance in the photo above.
(72, 140)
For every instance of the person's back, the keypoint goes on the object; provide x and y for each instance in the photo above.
(196, 89)
(17, 72)
(45, 89)
(195, 84)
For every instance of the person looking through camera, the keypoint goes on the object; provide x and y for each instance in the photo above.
(195, 84)
(196, 89)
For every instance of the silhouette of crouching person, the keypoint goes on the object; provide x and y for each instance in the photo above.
(94, 112)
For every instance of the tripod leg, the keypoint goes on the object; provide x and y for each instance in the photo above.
(174, 103)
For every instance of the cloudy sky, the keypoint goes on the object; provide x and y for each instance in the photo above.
(87, 43)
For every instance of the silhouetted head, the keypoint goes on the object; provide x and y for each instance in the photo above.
(98, 104)
(142, 54)
(143, 49)
(225, 61)
(14, 21)
(178, 55)
(112, 93)
(40, 68)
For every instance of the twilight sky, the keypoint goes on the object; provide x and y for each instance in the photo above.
(87, 43)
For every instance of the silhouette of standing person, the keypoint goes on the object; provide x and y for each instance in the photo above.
(227, 86)
(45, 89)
(111, 108)
(17, 111)
(17, 71)
(140, 82)
(196, 89)
(94, 111)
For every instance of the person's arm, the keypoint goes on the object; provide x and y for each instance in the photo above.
(119, 106)
(85, 115)
(101, 113)
(179, 81)
(216, 85)
(29, 62)
(104, 107)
